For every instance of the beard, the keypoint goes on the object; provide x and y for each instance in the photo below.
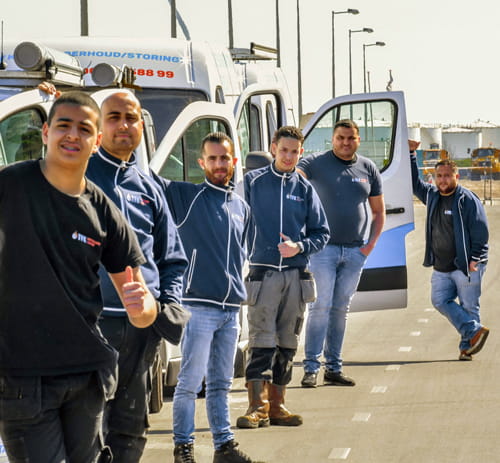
(217, 179)
(447, 189)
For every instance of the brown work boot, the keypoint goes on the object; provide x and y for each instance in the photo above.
(278, 413)
(257, 414)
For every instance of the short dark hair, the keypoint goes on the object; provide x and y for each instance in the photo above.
(75, 98)
(216, 137)
(347, 124)
(288, 131)
(447, 162)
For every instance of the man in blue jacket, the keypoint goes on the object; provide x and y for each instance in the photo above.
(456, 246)
(141, 201)
(289, 225)
(212, 221)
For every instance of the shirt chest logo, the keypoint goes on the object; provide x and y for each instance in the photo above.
(84, 239)
(294, 198)
(359, 180)
(137, 199)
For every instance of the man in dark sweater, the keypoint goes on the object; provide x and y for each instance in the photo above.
(289, 225)
(456, 246)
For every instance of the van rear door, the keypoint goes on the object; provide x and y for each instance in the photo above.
(21, 119)
(381, 118)
(177, 155)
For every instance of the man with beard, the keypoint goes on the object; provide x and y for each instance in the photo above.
(212, 221)
(457, 248)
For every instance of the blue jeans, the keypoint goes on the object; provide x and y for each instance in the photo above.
(208, 349)
(464, 315)
(337, 270)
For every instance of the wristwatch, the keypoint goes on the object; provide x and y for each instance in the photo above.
(301, 246)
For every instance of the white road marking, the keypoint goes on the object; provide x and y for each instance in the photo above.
(404, 349)
(361, 416)
(378, 389)
(423, 320)
(392, 368)
(415, 333)
(339, 454)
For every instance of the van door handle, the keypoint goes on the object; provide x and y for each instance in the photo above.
(395, 210)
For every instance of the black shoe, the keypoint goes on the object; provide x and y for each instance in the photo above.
(309, 379)
(184, 453)
(229, 453)
(337, 378)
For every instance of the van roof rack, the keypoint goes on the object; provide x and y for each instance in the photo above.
(255, 52)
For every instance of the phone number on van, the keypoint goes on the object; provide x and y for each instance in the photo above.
(145, 72)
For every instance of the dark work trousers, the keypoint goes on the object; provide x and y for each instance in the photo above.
(270, 364)
(126, 416)
(52, 418)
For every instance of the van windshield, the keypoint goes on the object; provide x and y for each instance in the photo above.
(165, 105)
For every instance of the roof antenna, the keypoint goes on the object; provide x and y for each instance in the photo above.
(3, 66)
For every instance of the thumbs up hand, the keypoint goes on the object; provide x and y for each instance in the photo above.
(134, 294)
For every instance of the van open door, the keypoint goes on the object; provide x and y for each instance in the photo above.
(259, 111)
(21, 118)
(177, 155)
(381, 118)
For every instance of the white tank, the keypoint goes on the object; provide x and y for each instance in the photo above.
(432, 137)
(414, 133)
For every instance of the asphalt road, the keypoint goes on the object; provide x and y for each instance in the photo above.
(414, 401)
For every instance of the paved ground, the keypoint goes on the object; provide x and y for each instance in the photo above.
(414, 401)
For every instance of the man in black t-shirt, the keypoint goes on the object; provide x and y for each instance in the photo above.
(457, 248)
(56, 369)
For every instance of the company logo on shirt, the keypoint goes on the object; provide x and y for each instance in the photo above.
(359, 180)
(137, 199)
(448, 212)
(85, 239)
(294, 198)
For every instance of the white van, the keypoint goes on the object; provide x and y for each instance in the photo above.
(381, 117)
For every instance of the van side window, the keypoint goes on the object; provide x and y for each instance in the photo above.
(182, 164)
(21, 136)
(377, 128)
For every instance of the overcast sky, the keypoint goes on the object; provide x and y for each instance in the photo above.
(443, 53)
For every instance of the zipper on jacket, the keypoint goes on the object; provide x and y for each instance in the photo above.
(228, 248)
(190, 270)
(281, 216)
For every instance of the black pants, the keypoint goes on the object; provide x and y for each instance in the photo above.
(263, 360)
(126, 416)
(52, 418)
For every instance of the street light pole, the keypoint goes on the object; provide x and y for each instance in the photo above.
(350, 11)
(376, 44)
(173, 19)
(230, 21)
(278, 33)
(365, 29)
(299, 65)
